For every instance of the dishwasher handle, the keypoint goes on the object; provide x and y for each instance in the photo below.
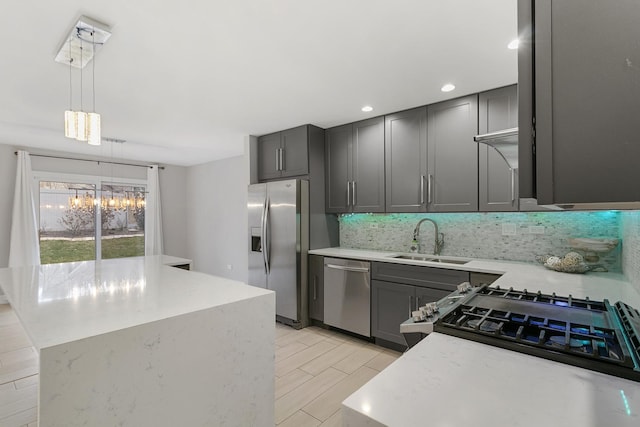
(347, 268)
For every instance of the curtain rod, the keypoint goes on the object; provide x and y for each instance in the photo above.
(96, 161)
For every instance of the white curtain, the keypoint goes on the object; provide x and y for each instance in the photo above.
(24, 247)
(153, 216)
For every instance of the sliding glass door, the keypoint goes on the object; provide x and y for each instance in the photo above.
(67, 222)
(88, 219)
(122, 215)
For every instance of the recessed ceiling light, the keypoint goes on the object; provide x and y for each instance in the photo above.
(367, 108)
(448, 87)
(513, 44)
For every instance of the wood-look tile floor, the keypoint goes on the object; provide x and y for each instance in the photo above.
(316, 369)
(18, 373)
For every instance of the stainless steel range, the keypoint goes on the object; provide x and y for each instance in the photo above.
(590, 334)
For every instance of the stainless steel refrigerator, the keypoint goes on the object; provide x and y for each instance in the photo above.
(278, 245)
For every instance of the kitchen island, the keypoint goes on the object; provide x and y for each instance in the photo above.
(134, 341)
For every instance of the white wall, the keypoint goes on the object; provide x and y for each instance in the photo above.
(7, 183)
(173, 182)
(217, 217)
(172, 188)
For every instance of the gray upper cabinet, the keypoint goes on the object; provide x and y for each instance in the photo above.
(355, 167)
(283, 154)
(406, 160)
(452, 180)
(268, 156)
(497, 182)
(587, 100)
(337, 160)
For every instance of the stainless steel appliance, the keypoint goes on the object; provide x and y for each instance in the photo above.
(278, 243)
(347, 295)
(590, 334)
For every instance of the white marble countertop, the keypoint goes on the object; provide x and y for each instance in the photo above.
(519, 275)
(449, 381)
(59, 303)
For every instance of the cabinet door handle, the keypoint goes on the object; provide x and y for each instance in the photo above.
(277, 159)
(429, 188)
(422, 189)
(282, 165)
(348, 193)
(417, 302)
(315, 288)
(513, 185)
(410, 306)
(353, 192)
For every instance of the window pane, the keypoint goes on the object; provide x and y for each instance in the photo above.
(122, 214)
(67, 222)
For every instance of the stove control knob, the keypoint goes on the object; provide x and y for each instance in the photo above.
(464, 287)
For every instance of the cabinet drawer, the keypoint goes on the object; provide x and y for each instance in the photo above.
(431, 277)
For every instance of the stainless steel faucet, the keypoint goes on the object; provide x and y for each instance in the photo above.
(438, 237)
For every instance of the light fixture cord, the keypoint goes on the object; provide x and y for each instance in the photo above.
(93, 76)
(70, 80)
(81, 61)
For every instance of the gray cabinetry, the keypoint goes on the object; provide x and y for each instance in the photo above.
(406, 160)
(391, 304)
(284, 154)
(497, 182)
(398, 289)
(432, 159)
(452, 181)
(355, 167)
(316, 287)
(586, 99)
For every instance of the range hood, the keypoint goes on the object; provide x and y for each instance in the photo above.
(505, 142)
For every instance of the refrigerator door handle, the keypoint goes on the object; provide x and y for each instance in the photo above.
(262, 234)
(267, 238)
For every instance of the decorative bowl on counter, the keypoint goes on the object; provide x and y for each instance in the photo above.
(572, 262)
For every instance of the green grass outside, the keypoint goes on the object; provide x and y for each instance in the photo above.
(53, 251)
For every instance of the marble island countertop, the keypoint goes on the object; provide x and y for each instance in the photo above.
(519, 275)
(446, 381)
(123, 341)
(59, 303)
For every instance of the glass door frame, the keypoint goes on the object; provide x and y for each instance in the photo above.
(95, 180)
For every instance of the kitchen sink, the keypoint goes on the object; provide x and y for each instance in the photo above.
(431, 258)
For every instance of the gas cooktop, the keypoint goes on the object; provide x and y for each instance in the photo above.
(590, 334)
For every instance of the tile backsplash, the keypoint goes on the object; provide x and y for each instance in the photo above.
(630, 221)
(482, 235)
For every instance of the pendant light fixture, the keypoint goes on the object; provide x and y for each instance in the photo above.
(77, 50)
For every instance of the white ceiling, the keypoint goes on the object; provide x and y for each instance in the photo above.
(183, 82)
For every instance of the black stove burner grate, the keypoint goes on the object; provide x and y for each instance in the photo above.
(579, 332)
(541, 298)
(566, 337)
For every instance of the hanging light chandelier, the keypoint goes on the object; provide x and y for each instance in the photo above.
(77, 50)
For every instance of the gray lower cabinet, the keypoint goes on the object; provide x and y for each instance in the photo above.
(406, 160)
(497, 182)
(284, 154)
(397, 290)
(316, 287)
(355, 167)
(391, 304)
(452, 180)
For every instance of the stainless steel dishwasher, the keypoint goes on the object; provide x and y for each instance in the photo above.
(347, 295)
